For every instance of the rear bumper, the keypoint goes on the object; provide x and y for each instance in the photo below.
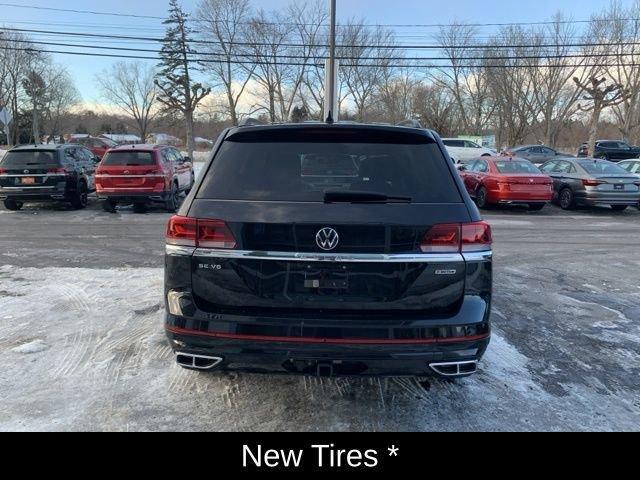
(33, 194)
(346, 359)
(130, 197)
(518, 198)
(607, 198)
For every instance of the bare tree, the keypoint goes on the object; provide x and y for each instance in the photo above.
(465, 79)
(61, 97)
(364, 54)
(225, 23)
(599, 96)
(396, 94)
(436, 108)
(130, 87)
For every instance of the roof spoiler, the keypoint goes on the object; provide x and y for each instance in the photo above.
(250, 122)
(410, 124)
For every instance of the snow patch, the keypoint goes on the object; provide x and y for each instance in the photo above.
(30, 348)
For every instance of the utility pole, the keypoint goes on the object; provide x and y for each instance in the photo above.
(331, 73)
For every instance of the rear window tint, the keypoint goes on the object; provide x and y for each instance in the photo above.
(602, 168)
(516, 167)
(24, 158)
(454, 143)
(128, 159)
(306, 171)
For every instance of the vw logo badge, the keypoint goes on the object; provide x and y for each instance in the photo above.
(327, 239)
(26, 172)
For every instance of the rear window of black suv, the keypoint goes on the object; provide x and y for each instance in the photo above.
(303, 166)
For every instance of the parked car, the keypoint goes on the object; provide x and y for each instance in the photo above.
(537, 154)
(631, 166)
(47, 173)
(142, 175)
(612, 150)
(463, 151)
(507, 181)
(587, 181)
(282, 262)
(98, 146)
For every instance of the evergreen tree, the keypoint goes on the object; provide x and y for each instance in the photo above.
(176, 91)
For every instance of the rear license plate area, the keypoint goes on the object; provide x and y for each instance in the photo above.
(326, 280)
(28, 181)
(618, 187)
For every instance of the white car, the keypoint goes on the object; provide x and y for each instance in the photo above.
(464, 151)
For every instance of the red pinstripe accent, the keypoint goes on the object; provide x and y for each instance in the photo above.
(327, 341)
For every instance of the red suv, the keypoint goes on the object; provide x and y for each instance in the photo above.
(98, 146)
(142, 175)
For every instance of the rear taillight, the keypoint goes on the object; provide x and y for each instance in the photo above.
(442, 239)
(592, 183)
(192, 232)
(3, 171)
(456, 238)
(476, 237)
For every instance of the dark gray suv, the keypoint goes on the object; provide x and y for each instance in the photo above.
(37, 173)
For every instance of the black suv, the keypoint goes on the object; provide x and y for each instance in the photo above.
(36, 173)
(612, 150)
(337, 249)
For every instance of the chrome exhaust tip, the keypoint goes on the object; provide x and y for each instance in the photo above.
(455, 369)
(198, 362)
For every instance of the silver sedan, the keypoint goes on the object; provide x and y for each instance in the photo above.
(587, 181)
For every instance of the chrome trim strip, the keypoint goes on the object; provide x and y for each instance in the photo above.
(329, 257)
(478, 256)
(178, 251)
(436, 368)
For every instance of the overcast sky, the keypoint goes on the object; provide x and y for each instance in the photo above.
(84, 69)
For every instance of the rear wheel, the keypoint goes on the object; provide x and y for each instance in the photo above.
(481, 198)
(174, 199)
(13, 205)
(618, 208)
(80, 199)
(109, 206)
(536, 207)
(566, 200)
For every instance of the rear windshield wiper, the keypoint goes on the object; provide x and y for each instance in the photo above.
(363, 197)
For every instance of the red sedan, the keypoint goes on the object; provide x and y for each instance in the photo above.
(507, 181)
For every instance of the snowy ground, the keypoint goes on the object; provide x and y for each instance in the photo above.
(82, 345)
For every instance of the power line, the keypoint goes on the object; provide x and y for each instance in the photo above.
(321, 65)
(379, 47)
(322, 58)
(397, 25)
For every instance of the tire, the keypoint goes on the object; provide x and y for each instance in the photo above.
(80, 199)
(481, 198)
(618, 208)
(140, 208)
(13, 205)
(173, 201)
(566, 199)
(536, 207)
(193, 182)
(109, 206)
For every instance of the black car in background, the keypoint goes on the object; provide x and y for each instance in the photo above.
(329, 250)
(612, 150)
(37, 173)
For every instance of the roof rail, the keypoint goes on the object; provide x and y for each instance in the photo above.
(410, 124)
(250, 122)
